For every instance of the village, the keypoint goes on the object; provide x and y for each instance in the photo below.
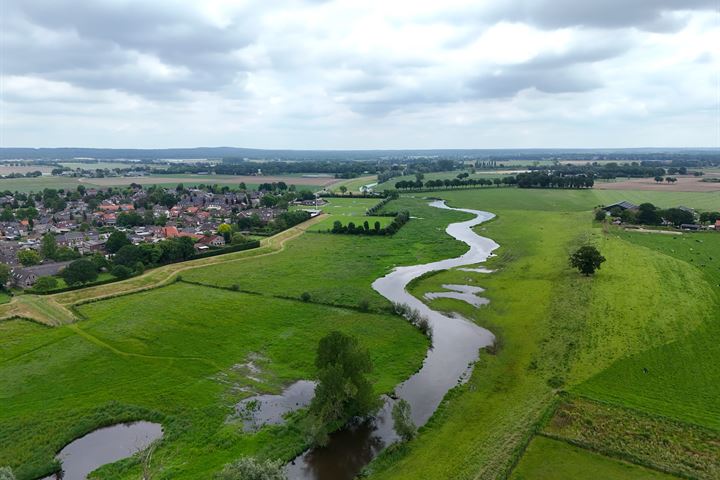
(81, 221)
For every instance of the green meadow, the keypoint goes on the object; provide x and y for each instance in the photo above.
(548, 459)
(148, 355)
(640, 337)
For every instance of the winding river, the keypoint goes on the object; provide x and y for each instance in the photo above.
(456, 345)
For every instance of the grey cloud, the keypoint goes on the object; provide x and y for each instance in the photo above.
(649, 15)
(96, 45)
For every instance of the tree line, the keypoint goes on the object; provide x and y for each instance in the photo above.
(400, 219)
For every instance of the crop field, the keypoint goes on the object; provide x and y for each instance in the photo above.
(683, 184)
(147, 355)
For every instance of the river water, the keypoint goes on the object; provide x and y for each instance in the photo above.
(456, 345)
(104, 445)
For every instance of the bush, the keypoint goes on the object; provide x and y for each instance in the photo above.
(250, 468)
(364, 305)
(305, 297)
(121, 271)
(600, 215)
(45, 284)
(79, 271)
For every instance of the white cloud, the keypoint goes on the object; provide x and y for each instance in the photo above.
(360, 73)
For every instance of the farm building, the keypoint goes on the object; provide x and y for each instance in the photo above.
(27, 276)
(624, 205)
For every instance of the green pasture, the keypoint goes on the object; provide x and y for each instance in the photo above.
(548, 459)
(390, 184)
(149, 356)
(327, 224)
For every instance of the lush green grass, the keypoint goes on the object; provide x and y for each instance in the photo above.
(552, 324)
(340, 269)
(548, 459)
(348, 206)
(657, 442)
(678, 379)
(38, 184)
(4, 297)
(148, 355)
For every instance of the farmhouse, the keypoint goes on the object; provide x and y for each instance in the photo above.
(27, 276)
(624, 205)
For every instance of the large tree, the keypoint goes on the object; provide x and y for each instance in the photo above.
(4, 274)
(343, 389)
(586, 259)
(48, 246)
(28, 257)
(116, 241)
(79, 271)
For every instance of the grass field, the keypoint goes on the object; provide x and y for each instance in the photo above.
(548, 459)
(147, 355)
(4, 297)
(390, 184)
(658, 442)
(553, 325)
(339, 269)
(677, 379)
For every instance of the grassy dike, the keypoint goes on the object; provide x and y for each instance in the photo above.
(556, 329)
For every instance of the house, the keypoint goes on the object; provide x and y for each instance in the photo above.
(690, 226)
(717, 225)
(210, 241)
(27, 276)
(623, 205)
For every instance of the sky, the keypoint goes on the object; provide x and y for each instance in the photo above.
(360, 74)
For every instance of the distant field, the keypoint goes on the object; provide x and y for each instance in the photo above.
(209, 179)
(548, 459)
(108, 165)
(40, 183)
(683, 184)
(8, 169)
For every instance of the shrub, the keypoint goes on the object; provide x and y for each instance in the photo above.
(121, 271)
(364, 305)
(45, 284)
(600, 215)
(250, 468)
(305, 297)
(235, 287)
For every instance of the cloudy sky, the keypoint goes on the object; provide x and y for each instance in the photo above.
(360, 73)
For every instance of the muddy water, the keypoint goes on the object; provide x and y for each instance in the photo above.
(105, 445)
(456, 344)
(263, 410)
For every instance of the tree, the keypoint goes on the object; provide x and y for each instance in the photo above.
(600, 215)
(225, 230)
(127, 255)
(343, 189)
(677, 216)
(45, 284)
(343, 390)
(121, 271)
(4, 274)
(239, 239)
(48, 246)
(79, 271)
(648, 214)
(586, 259)
(250, 468)
(401, 415)
(658, 179)
(28, 257)
(116, 241)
